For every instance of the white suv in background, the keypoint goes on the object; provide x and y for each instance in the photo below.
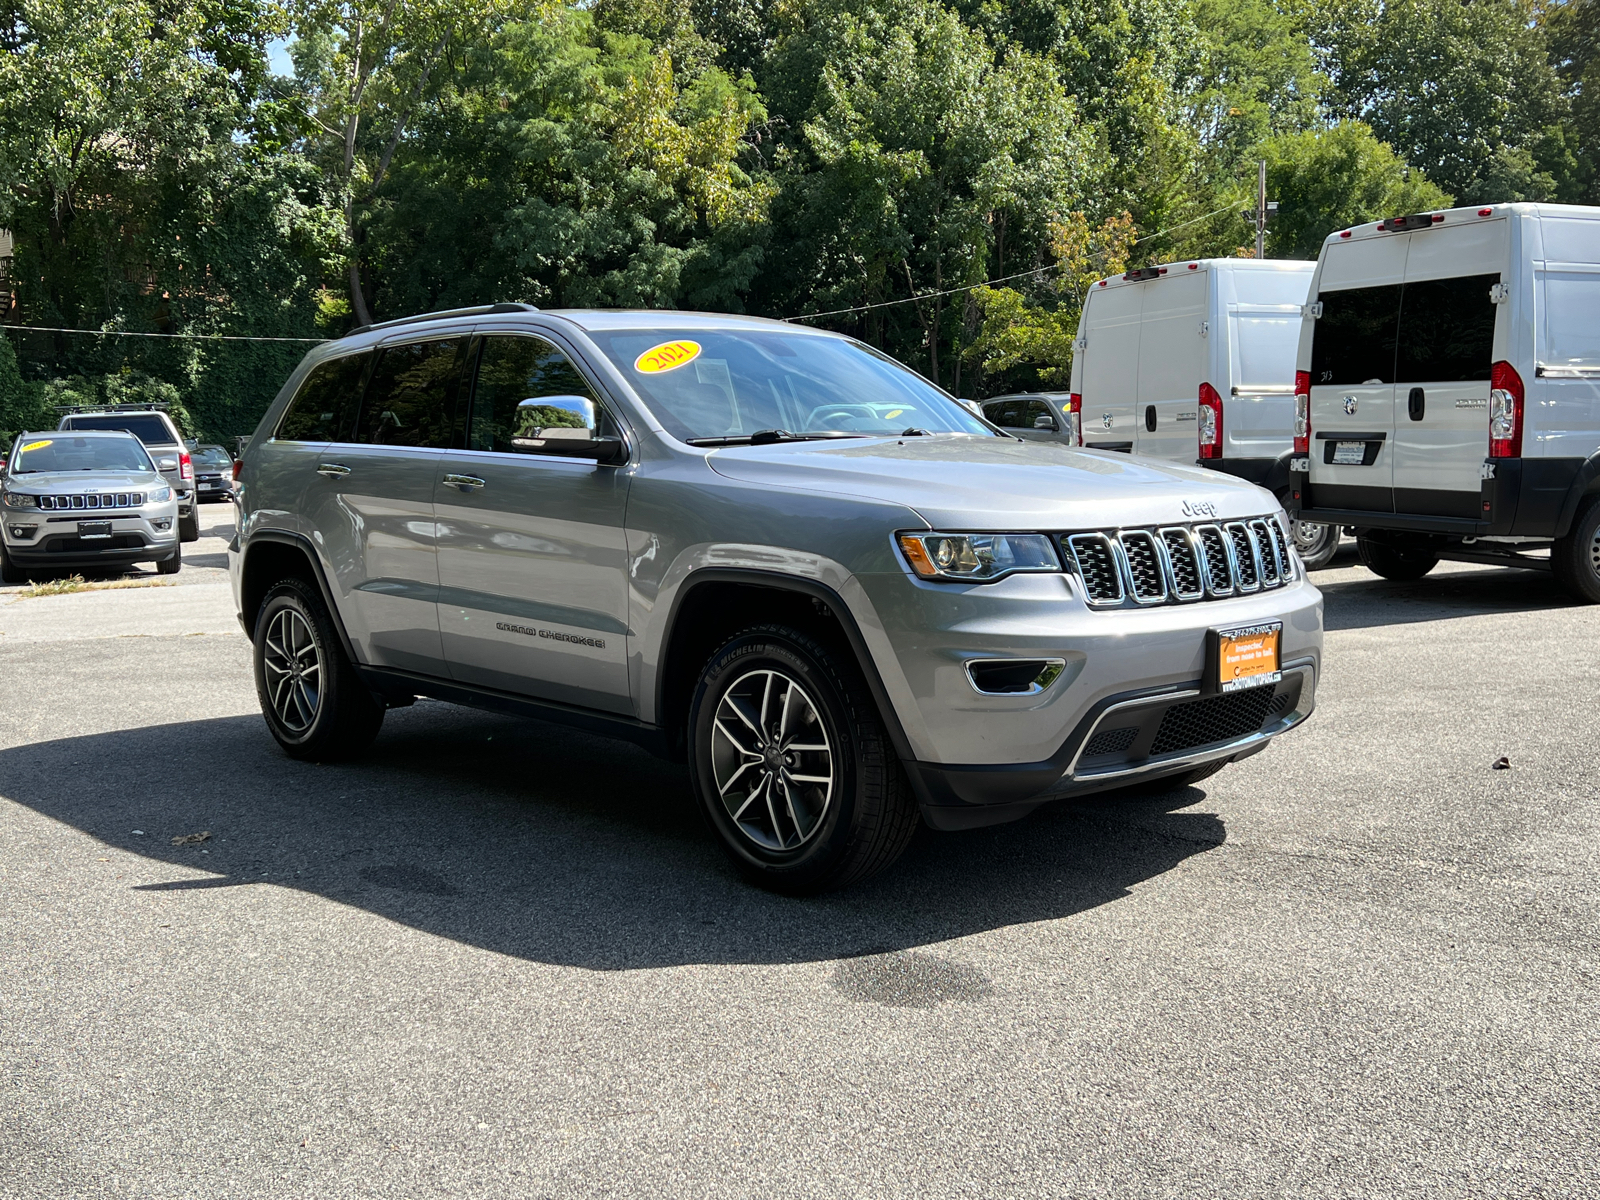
(1448, 391)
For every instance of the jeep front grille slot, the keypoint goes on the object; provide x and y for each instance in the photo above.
(1187, 583)
(1244, 558)
(1096, 559)
(1179, 564)
(1147, 579)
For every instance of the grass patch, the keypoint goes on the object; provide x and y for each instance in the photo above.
(77, 583)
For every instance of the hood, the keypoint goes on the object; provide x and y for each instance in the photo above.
(995, 483)
(71, 483)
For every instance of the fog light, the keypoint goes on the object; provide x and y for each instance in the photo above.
(162, 523)
(24, 531)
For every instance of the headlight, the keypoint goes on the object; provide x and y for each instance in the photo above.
(21, 500)
(977, 557)
(159, 495)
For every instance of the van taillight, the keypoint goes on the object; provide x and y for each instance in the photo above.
(1075, 417)
(1302, 412)
(1505, 411)
(185, 465)
(1210, 422)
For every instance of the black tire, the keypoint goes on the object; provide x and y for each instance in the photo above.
(322, 717)
(1575, 559)
(1395, 559)
(189, 527)
(172, 563)
(1315, 543)
(809, 839)
(9, 571)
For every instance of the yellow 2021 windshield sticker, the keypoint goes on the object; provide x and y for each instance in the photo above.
(37, 445)
(668, 356)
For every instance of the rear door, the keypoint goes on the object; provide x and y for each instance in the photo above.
(1445, 351)
(371, 504)
(1172, 362)
(1352, 375)
(1264, 336)
(1110, 358)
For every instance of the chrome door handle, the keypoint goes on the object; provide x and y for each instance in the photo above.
(333, 470)
(467, 483)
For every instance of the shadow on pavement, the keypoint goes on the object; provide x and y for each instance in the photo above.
(530, 840)
(1357, 604)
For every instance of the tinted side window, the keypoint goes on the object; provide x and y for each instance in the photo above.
(1353, 341)
(1032, 410)
(1446, 330)
(152, 431)
(1003, 413)
(411, 399)
(512, 369)
(324, 409)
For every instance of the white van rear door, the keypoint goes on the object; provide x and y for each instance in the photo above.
(1352, 374)
(1445, 350)
(1111, 365)
(1565, 392)
(1172, 363)
(1258, 405)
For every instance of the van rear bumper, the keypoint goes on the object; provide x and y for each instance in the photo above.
(1527, 497)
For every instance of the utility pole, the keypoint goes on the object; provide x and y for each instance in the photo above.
(1265, 210)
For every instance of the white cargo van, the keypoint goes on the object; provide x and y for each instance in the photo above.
(1194, 362)
(1448, 391)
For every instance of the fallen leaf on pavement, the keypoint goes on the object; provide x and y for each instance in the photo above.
(191, 839)
(1501, 764)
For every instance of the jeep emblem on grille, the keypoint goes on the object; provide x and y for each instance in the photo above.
(1199, 508)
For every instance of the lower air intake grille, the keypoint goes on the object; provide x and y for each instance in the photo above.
(1097, 563)
(1110, 741)
(1213, 719)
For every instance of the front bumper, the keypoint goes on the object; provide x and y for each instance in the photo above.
(55, 541)
(979, 758)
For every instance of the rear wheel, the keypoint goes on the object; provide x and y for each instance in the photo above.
(171, 564)
(1315, 543)
(792, 767)
(189, 527)
(1575, 559)
(313, 700)
(1394, 558)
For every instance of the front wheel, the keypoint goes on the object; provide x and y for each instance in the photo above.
(9, 571)
(1399, 560)
(172, 563)
(1575, 559)
(1315, 543)
(189, 527)
(314, 702)
(792, 767)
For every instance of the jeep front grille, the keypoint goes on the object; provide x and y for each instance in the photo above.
(108, 500)
(1179, 564)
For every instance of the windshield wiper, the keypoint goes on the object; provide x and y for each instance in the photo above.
(766, 437)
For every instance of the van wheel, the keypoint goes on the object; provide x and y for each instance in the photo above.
(1575, 559)
(792, 767)
(172, 563)
(1316, 544)
(1396, 559)
(313, 700)
(189, 527)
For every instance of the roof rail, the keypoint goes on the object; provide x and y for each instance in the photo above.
(482, 310)
(151, 406)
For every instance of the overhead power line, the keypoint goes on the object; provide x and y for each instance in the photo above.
(1036, 271)
(200, 337)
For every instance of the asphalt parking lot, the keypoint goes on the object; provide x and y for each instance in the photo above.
(499, 959)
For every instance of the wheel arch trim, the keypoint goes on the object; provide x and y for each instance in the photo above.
(307, 549)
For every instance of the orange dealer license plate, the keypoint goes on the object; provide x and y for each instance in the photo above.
(1245, 657)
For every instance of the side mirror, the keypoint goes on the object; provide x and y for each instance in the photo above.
(1044, 421)
(565, 425)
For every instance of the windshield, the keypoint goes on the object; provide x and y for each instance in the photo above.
(80, 454)
(148, 428)
(212, 456)
(709, 383)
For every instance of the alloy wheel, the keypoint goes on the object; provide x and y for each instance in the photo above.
(293, 665)
(771, 760)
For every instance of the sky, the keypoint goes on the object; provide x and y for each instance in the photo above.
(278, 56)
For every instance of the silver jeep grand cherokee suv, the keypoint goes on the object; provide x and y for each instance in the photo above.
(769, 551)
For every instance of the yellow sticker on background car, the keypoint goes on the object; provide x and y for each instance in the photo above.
(668, 356)
(892, 415)
(37, 445)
